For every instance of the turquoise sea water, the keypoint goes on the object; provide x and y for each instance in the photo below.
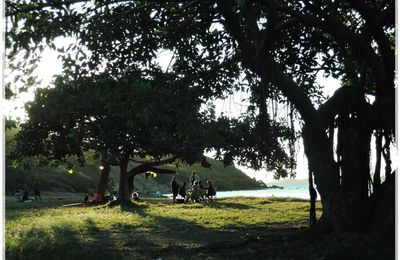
(292, 189)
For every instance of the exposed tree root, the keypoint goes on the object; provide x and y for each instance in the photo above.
(123, 203)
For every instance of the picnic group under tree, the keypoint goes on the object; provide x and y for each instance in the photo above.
(197, 192)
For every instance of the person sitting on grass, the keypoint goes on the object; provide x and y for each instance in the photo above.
(201, 184)
(174, 188)
(25, 197)
(19, 194)
(195, 195)
(202, 190)
(182, 190)
(210, 190)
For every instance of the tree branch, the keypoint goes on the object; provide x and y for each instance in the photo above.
(374, 23)
(136, 161)
(156, 170)
(266, 66)
(144, 166)
(289, 88)
(342, 99)
(232, 24)
(251, 24)
(335, 104)
(56, 4)
(388, 16)
(361, 48)
(29, 7)
(286, 24)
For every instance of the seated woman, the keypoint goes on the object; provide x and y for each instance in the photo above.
(203, 190)
(18, 194)
(25, 197)
(201, 185)
(195, 195)
(182, 190)
(210, 190)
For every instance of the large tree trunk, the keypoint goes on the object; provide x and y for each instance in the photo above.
(318, 148)
(103, 181)
(355, 151)
(253, 44)
(131, 186)
(383, 215)
(377, 173)
(386, 155)
(326, 173)
(313, 198)
(123, 194)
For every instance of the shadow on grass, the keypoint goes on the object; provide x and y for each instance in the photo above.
(87, 242)
(128, 206)
(231, 205)
(64, 242)
(216, 203)
(164, 237)
(15, 210)
(173, 237)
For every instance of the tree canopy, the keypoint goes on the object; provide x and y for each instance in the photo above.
(131, 117)
(273, 49)
(134, 116)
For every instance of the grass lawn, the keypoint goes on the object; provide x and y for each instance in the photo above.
(155, 229)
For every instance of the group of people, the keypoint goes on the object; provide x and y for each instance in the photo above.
(196, 193)
(22, 195)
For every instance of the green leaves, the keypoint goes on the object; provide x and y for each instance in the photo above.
(130, 115)
(252, 141)
(118, 95)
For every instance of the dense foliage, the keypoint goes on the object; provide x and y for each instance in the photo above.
(132, 116)
(274, 50)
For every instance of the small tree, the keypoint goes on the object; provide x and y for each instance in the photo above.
(120, 119)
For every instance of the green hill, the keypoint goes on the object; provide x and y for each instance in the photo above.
(84, 179)
(224, 178)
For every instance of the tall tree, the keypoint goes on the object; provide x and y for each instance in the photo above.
(264, 32)
(280, 47)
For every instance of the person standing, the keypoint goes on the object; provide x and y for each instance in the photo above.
(194, 177)
(36, 188)
(174, 188)
(210, 190)
(86, 201)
